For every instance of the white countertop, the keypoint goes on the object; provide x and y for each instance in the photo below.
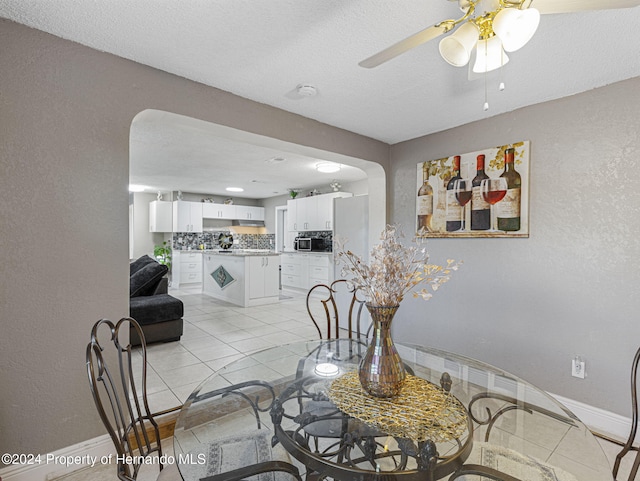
(308, 252)
(241, 252)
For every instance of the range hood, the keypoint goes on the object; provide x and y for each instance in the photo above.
(247, 223)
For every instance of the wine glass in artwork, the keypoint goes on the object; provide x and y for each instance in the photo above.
(493, 191)
(463, 190)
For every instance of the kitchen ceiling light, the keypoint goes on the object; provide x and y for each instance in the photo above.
(136, 188)
(235, 189)
(328, 167)
(275, 160)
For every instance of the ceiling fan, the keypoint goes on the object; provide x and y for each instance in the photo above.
(493, 27)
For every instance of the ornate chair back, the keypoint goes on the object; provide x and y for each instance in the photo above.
(328, 305)
(120, 394)
(628, 446)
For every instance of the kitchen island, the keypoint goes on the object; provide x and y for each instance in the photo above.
(242, 277)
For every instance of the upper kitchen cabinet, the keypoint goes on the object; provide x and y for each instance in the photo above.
(160, 216)
(312, 213)
(219, 211)
(187, 216)
(324, 210)
(249, 212)
(292, 215)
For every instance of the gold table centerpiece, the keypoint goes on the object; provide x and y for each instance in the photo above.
(423, 411)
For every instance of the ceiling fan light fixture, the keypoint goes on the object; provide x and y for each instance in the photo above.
(456, 48)
(489, 55)
(516, 27)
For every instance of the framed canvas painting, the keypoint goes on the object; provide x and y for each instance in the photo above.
(477, 194)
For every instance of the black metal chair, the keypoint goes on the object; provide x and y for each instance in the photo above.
(134, 430)
(335, 299)
(328, 305)
(628, 446)
(123, 407)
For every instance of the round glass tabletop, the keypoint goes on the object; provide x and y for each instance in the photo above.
(298, 403)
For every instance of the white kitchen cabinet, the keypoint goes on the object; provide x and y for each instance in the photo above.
(319, 272)
(323, 219)
(303, 271)
(294, 269)
(292, 215)
(228, 268)
(186, 268)
(249, 212)
(306, 213)
(187, 216)
(297, 214)
(313, 213)
(263, 276)
(219, 211)
(324, 210)
(250, 280)
(160, 216)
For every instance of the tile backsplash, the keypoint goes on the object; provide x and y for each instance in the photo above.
(193, 240)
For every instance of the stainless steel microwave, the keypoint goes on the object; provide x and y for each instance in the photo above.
(309, 244)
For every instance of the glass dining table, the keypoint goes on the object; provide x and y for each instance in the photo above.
(456, 419)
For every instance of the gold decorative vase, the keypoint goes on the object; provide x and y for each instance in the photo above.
(381, 370)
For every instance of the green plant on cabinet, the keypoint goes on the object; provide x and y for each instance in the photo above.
(162, 253)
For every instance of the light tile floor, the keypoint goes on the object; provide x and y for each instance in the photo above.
(215, 334)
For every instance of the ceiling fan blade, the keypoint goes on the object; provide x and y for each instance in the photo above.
(567, 6)
(408, 43)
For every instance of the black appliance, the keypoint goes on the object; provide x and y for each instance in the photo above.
(309, 244)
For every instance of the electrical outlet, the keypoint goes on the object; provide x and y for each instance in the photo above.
(577, 368)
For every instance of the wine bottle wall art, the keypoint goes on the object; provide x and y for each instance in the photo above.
(476, 194)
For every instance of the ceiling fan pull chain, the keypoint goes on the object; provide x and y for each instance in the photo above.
(502, 75)
(486, 94)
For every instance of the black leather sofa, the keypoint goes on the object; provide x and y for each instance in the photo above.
(158, 313)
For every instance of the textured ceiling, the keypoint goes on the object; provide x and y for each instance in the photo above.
(262, 49)
(172, 152)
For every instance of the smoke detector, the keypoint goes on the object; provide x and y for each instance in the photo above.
(306, 90)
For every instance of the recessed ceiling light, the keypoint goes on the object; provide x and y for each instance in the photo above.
(136, 188)
(327, 167)
(235, 189)
(275, 160)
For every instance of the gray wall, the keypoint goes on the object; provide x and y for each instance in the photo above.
(65, 114)
(531, 305)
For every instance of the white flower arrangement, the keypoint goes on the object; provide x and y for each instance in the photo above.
(393, 270)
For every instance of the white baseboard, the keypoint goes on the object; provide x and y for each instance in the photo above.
(64, 461)
(599, 420)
